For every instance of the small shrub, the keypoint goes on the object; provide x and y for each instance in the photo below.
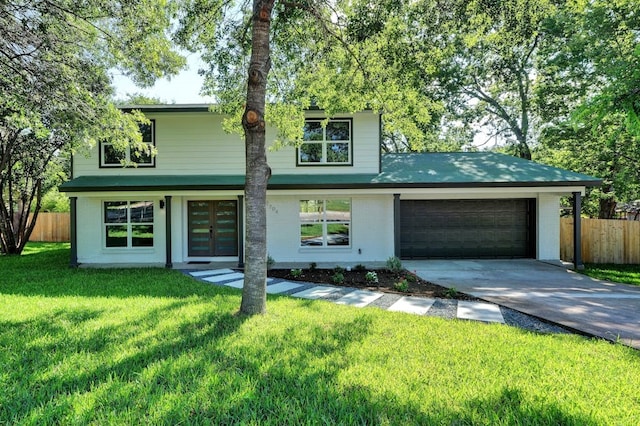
(371, 277)
(296, 273)
(411, 278)
(359, 267)
(394, 264)
(402, 285)
(338, 278)
(451, 293)
(270, 262)
(313, 266)
(339, 270)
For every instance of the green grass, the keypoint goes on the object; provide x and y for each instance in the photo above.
(629, 274)
(154, 346)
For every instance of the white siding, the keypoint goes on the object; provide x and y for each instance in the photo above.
(371, 230)
(91, 238)
(365, 149)
(187, 144)
(196, 144)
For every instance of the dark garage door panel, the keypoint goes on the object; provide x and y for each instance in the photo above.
(466, 228)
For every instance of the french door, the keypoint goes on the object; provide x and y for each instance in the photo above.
(213, 228)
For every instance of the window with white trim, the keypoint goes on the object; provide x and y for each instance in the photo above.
(325, 223)
(128, 224)
(112, 157)
(330, 144)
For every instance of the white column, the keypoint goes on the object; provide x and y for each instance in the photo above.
(548, 227)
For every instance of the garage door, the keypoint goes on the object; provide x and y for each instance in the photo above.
(467, 228)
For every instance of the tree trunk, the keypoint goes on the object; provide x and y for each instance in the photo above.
(607, 208)
(254, 293)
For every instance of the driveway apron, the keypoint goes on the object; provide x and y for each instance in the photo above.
(553, 293)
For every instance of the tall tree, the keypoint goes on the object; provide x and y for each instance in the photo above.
(55, 91)
(257, 170)
(589, 99)
(476, 58)
(493, 67)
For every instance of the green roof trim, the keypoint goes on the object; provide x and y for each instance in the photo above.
(168, 108)
(433, 170)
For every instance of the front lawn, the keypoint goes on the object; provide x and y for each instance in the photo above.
(629, 274)
(157, 347)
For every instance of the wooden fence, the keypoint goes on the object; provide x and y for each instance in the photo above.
(603, 241)
(51, 227)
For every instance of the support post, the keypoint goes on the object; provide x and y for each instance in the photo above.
(396, 225)
(73, 231)
(240, 231)
(577, 231)
(167, 205)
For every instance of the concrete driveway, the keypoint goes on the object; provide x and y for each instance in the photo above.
(554, 293)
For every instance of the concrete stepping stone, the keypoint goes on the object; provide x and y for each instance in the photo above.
(224, 277)
(412, 305)
(235, 284)
(211, 272)
(359, 298)
(479, 311)
(316, 292)
(282, 287)
(240, 283)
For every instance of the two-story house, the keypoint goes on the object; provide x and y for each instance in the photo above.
(335, 198)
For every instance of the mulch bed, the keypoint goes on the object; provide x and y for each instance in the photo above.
(386, 282)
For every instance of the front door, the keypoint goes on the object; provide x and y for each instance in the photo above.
(213, 228)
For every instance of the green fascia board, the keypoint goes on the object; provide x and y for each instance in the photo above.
(168, 108)
(438, 170)
(150, 183)
(154, 108)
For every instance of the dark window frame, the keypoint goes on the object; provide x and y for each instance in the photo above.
(129, 223)
(326, 142)
(127, 153)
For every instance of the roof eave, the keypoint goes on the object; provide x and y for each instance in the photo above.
(285, 186)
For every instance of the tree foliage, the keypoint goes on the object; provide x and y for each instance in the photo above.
(588, 97)
(55, 92)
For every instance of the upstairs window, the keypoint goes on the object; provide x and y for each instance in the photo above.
(111, 157)
(330, 145)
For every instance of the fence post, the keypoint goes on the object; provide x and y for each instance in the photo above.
(577, 231)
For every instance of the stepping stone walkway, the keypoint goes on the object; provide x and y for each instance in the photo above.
(476, 311)
(479, 311)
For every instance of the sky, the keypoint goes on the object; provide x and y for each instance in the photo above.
(181, 89)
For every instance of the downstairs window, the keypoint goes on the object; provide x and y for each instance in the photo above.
(128, 224)
(325, 223)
